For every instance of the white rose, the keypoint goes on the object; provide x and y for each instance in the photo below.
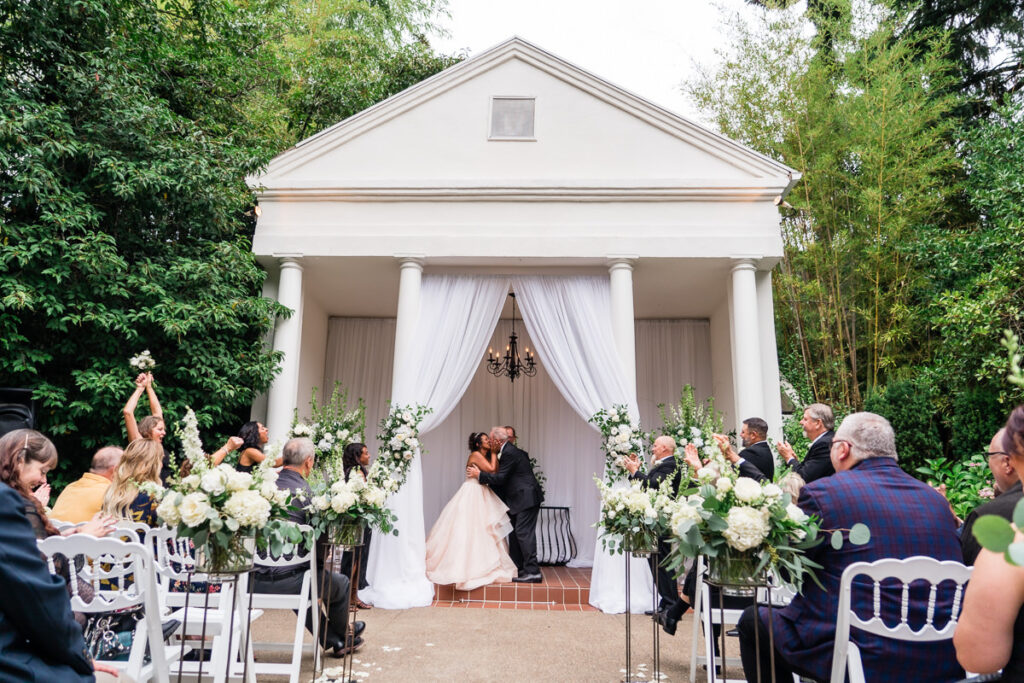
(794, 513)
(614, 430)
(413, 442)
(747, 527)
(772, 492)
(168, 511)
(193, 509)
(213, 482)
(248, 508)
(708, 473)
(408, 455)
(239, 481)
(268, 490)
(190, 482)
(747, 490)
(343, 434)
(613, 415)
(407, 416)
(723, 485)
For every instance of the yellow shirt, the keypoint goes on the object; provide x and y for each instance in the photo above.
(80, 500)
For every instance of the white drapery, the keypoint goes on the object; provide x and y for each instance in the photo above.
(457, 316)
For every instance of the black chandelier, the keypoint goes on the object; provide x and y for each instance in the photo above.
(511, 365)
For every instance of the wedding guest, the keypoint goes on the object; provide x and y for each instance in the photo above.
(254, 437)
(755, 460)
(299, 457)
(355, 460)
(817, 424)
(39, 638)
(82, 499)
(663, 467)
(26, 456)
(512, 438)
(1008, 494)
(153, 425)
(140, 463)
(906, 518)
(990, 632)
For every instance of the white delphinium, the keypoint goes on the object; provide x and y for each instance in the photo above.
(194, 508)
(747, 528)
(747, 490)
(191, 444)
(248, 508)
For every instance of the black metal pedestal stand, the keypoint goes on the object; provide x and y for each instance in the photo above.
(656, 634)
(741, 590)
(336, 550)
(223, 580)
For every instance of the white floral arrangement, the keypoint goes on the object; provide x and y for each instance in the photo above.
(214, 503)
(142, 362)
(399, 440)
(622, 436)
(731, 515)
(349, 501)
(691, 422)
(332, 427)
(633, 517)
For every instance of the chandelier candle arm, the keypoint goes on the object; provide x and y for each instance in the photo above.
(512, 365)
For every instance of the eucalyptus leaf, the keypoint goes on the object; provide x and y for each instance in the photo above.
(1015, 553)
(860, 534)
(993, 533)
(837, 540)
(1018, 514)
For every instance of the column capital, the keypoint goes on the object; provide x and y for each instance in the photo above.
(621, 262)
(289, 260)
(743, 263)
(411, 260)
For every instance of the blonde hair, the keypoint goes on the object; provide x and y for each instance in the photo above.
(141, 462)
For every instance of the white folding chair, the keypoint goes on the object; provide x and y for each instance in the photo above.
(219, 615)
(121, 576)
(846, 656)
(62, 526)
(302, 604)
(705, 616)
(140, 529)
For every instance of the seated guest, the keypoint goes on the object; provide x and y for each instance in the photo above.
(755, 460)
(39, 638)
(140, 463)
(1008, 493)
(26, 456)
(906, 518)
(990, 633)
(254, 436)
(81, 500)
(817, 424)
(298, 457)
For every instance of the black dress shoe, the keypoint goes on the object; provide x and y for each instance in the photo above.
(529, 578)
(358, 627)
(354, 645)
(649, 612)
(667, 623)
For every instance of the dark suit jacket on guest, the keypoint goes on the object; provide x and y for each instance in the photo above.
(818, 462)
(39, 638)
(514, 482)
(1002, 506)
(665, 468)
(906, 518)
(760, 456)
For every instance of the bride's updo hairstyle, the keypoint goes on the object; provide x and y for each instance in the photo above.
(475, 440)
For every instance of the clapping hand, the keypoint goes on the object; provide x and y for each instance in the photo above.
(692, 458)
(42, 494)
(631, 462)
(786, 450)
(725, 446)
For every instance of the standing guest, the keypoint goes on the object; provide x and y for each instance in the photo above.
(1008, 493)
(355, 460)
(140, 463)
(153, 425)
(906, 517)
(755, 460)
(39, 638)
(817, 424)
(299, 457)
(26, 456)
(81, 500)
(990, 633)
(663, 467)
(254, 437)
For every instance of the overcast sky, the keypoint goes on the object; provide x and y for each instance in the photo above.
(645, 46)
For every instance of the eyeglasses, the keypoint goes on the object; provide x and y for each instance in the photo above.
(848, 443)
(991, 453)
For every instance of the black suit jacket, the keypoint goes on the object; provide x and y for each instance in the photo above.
(665, 468)
(39, 638)
(817, 463)
(1002, 506)
(514, 482)
(760, 456)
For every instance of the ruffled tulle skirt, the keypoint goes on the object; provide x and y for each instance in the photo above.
(467, 546)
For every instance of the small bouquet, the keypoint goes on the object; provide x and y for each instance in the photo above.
(341, 509)
(632, 518)
(399, 438)
(622, 436)
(142, 362)
(332, 426)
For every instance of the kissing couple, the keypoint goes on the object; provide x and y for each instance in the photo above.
(487, 531)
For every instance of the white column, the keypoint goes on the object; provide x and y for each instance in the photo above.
(287, 340)
(747, 375)
(620, 270)
(769, 355)
(410, 279)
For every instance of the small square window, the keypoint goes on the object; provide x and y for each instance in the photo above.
(512, 118)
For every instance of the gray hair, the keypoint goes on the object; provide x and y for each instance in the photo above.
(499, 433)
(820, 411)
(297, 451)
(869, 435)
(105, 459)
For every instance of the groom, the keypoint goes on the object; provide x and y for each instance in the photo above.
(516, 485)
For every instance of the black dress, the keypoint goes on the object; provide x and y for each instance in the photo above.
(362, 551)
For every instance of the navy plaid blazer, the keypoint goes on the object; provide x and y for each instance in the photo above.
(906, 517)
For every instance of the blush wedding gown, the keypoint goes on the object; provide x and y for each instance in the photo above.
(467, 546)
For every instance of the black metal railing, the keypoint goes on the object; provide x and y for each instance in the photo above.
(555, 543)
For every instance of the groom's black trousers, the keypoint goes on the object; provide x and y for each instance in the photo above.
(522, 542)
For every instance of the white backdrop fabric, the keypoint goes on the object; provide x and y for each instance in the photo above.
(670, 353)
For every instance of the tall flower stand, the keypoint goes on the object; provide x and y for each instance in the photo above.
(642, 545)
(341, 538)
(734, 576)
(227, 567)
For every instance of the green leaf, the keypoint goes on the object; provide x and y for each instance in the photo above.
(837, 540)
(1018, 514)
(860, 534)
(993, 533)
(1015, 553)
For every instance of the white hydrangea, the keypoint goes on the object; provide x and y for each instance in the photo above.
(684, 513)
(168, 511)
(356, 483)
(771, 492)
(412, 442)
(747, 490)
(213, 482)
(281, 496)
(248, 508)
(300, 429)
(268, 490)
(747, 527)
(374, 496)
(695, 432)
(190, 482)
(320, 503)
(239, 481)
(194, 508)
(323, 445)
(343, 500)
(723, 485)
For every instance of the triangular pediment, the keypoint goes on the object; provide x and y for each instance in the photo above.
(588, 133)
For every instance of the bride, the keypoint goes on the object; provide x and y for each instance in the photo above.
(467, 545)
